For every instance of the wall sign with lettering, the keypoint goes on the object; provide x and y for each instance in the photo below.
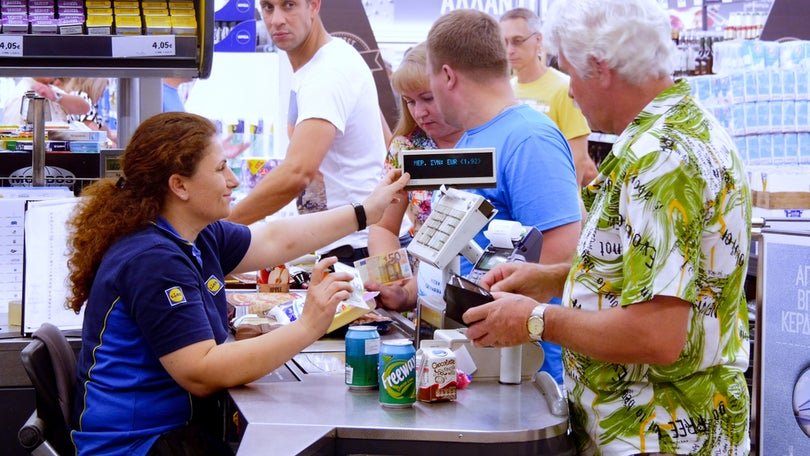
(784, 411)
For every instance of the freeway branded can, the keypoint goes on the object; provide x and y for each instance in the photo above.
(362, 355)
(397, 373)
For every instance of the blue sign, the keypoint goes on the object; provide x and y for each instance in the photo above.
(784, 412)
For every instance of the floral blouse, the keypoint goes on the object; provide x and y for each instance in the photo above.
(419, 209)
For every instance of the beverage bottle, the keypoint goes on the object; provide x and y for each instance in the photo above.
(692, 50)
(709, 66)
(676, 39)
(700, 58)
(257, 145)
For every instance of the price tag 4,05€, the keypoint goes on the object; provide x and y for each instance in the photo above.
(143, 46)
(11, 46)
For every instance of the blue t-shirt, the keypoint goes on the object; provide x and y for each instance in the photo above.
(154, 294)
(171, 99)
(537, 183)
(536, 178)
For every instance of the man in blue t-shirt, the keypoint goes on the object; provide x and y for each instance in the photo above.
(171, 94)
(469, 78)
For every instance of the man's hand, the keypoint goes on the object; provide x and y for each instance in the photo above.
(500, 323)
(394, 296)
(540, 282)
(233, 150)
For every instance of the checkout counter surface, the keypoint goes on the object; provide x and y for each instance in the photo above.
(305, 407)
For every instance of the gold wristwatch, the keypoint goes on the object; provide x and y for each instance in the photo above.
(536, 324)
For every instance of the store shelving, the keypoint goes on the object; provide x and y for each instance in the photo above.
(96, 55)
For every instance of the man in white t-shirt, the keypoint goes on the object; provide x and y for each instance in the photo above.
(337, 149)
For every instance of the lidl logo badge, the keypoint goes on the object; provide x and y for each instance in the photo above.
(214, 285)
(175, 295)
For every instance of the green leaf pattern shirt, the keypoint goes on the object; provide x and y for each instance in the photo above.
(669, 214)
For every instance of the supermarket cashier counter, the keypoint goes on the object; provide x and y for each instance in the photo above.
(304, 407)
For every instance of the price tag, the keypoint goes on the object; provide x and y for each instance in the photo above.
(143, 46)
(11, 45)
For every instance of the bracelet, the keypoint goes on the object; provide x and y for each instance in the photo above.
(57, 93)
(360, 213)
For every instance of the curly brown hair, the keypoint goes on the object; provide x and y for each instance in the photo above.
(163, 145)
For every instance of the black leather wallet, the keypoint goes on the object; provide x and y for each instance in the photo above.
(461, 294)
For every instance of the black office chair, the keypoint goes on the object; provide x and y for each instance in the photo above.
(51, 365)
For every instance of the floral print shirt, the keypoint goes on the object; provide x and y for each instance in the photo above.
(669, 215)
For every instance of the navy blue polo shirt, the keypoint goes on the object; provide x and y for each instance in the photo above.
(154, 294)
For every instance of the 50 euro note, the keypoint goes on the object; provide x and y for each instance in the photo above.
(386, 268)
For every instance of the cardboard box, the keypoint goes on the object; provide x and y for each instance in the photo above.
(781, 200)
(84, 146)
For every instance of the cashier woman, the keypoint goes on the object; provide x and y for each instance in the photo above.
(149, 254)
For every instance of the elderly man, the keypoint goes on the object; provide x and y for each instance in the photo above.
(654, 321)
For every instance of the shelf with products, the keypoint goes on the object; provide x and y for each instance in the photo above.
(112, 55)
(716, 2)
(84, 55)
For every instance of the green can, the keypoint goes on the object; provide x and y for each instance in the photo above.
(397, 373)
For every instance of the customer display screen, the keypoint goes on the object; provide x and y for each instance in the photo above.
(492, 258)
(450, 167)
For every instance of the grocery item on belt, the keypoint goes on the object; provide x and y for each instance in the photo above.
(436, 375)
(397, 369)
(362, 356)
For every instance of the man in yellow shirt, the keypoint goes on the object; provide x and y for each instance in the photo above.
(545, 88)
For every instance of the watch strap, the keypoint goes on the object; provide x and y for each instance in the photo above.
(537, 313)
(360, 213)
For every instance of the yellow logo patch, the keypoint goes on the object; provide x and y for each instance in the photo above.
(175, 295)
(214, 285)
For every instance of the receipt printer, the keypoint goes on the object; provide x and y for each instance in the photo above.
(509, 241)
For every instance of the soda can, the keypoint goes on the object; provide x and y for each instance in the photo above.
(362, 355)
(397, 373)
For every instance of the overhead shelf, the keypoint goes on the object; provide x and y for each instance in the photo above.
(123, 56)
(94, 56)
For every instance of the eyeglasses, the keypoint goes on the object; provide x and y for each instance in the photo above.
(518, 41)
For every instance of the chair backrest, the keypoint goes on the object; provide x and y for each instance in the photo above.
(51, 365)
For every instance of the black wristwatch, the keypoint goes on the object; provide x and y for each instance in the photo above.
(360, 213)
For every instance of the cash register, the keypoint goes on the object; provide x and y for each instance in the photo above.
(447, 233)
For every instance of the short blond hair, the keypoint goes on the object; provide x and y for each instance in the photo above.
(470, 42)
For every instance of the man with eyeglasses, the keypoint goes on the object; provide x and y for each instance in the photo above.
(543, 87)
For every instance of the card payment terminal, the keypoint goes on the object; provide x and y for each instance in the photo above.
(509, 242)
